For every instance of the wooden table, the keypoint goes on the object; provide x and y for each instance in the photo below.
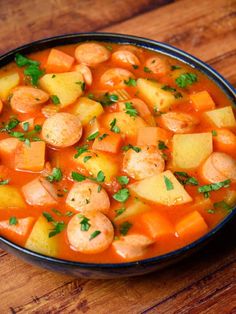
(204, 283)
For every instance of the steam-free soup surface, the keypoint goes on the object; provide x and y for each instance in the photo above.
(112, 153)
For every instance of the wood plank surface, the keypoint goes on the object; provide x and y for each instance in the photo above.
(204, 283)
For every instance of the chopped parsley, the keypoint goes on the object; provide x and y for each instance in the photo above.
(57, 212)
(176, 94)
(120, 211)
(22, 61)
(147, 70)
(186, 79)
(168, 183)
(10, 125)
(124, 227)
(84, 223)
(130, 82)
(81, 150)
(123, 180)
(77, 176)
(222, 205)
(101, 137)
(80, 177)
(108, 99)
(100, 176)
(205, 189)
(48, 216)
(122, 195)
(130, 110)
(214, 133)
(162, 145)
(91, 96)
(82, 85)
(25, 126)
(94, 234)
(55, 99)
(86, 158)
(55, 176)
(135, 66)
(114, 128)
(185, 179)
(175, 67)
(92, 136)
(4, 182)
(69, 213)
(13, 220)
(129, 146)
(59, 226)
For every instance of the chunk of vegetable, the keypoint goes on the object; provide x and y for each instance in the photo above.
(222, 117)
(191, 227)
(156, 97)
(152, 136)
(132, 210)
(10, 197)
(190, 150)
(8, 146)
(107, 142)
(155, 189)
(86, 109)
(157, 226)
(98, 162)
(132, 246)
(66, 86)
(225, 141)
(39, 241)
(202, 101)
(59, 61)
(40, 192)
(128, 125)
(31, 158)
(7, 83)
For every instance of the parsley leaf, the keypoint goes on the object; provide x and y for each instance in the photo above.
(13, 221)
(185, 179)
(168, 183)
(213, 187)
(122, 195)
(123, 180)
(86, 158)
(129, 146)
(147, 70)
(22, 61)
(59, 226)
(34, 72)
(55, 176)
(77, 176)
(100, 176)
(84, 223)
(162, 145)
(81, 150)
(186, 79)
(108, 99)
(101, 137)
(130, 110)
(175, 67)
(94, 234)
(25, 126)
(55, 99)
(48, 216)
(130, 82)
(222, 205)
(120, 211)
(92, 136)
(114, 128)
(124, 227)
(214, 133)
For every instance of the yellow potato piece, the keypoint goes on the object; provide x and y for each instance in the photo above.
(157, 98)
(222, 117)
(86, 109)
(7, 83)
(39, 240)
(132, 210)
(190, 150)
(66, 86)
(155, 189)
(10, 197)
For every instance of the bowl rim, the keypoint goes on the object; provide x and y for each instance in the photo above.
(150, 44)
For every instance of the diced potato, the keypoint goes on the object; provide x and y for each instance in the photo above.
(222, 117)
(128, 125)
(31, 157)
(66, 86)
(157, 98)
(87, 109)
(7, 83)
(230, 198)
(99, 162)
(9, 145)
(190, 150)
(10, 197)
(155, 189)
(39, 240)
(132, 210)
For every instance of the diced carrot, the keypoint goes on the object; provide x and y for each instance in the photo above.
(202, 101)
(152, 136)
(8, 146)
(30, 157)
(191, 227)
(156, 225)
(107, 142)
(224, 140)
(16, 232)
(59, 61)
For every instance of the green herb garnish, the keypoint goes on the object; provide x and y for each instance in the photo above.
(205, 189)
(77, 176)
(185, 179)
(130, 110)
(130, 82)
(55, 176)
(13, 221)
(86, 158)
(81, 150)
(147, 70)
(114, 128)
(168, 183)
(123, 180)
(94, 234)
(92, 136)
(186, 79)
(122, 195)
(55, 99)
(129, 146)
(101, 137)
(124, 227)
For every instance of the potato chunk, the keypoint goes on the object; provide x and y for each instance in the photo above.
(156, 97)
(66, 86)
(132, 210)
(7, 83)
(86, 109)
(39, 240)
(222, 117)
(155, 189)
(10, 197)
(190, 150)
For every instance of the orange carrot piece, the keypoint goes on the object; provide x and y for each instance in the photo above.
(202, 101)
(59, 61)
(225, 141)
(156, 225)
(192, 226)
(152, 136)
(20, 229)
(30, 157)
(109, 143)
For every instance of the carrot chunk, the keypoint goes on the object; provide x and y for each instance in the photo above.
(224, 140)
(20, 228)
(30, 157)
(152, 136)
(156, 225)
(202, 101)
(107, 142)
(59, 61)
(192, 226)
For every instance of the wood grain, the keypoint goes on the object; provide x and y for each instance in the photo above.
(205, 283)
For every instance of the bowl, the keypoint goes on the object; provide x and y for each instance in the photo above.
(97, 270)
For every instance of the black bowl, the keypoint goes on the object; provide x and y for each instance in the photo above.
(93, 270)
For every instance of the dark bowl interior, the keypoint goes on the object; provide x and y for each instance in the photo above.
(93, 270)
